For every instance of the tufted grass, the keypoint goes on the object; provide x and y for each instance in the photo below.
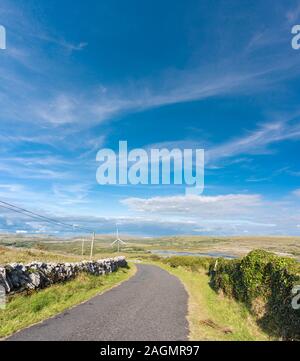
(24, 310)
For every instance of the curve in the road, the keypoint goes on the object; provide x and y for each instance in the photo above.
(150, 306)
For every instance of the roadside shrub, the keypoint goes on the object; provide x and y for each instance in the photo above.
(154, 257)
(193, 263)
(263, 278)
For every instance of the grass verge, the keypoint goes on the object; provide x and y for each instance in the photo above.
(25, 310)
(212, 316)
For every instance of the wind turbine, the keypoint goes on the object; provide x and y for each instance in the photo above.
(118, 241)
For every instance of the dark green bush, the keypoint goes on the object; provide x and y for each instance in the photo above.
(263, 277)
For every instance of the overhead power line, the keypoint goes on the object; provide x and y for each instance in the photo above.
(40, 217)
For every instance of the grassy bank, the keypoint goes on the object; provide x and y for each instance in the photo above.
(25, 310)
(15, 255)
(212, 316)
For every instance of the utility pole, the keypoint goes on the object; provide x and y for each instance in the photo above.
(82, 247)
(118, 239)
(92, 245)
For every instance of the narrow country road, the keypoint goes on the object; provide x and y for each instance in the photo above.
(152, 305)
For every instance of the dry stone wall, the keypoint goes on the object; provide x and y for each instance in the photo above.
(18, 277)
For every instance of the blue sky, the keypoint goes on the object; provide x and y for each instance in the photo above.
(218, 75)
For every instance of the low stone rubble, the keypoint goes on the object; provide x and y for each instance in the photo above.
(17, 277)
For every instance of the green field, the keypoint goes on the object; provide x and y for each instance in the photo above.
(235, 246)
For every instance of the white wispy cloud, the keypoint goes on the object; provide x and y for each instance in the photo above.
(222, 205)
(71, 193)
(223, 214)
(95, 107)
(70, 47)
(61, 110)
(11, 188)
(34, 168)
(255, 142)
(297, 192)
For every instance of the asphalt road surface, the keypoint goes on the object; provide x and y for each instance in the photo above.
(150, 306)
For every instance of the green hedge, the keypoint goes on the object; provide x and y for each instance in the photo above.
(264, 282)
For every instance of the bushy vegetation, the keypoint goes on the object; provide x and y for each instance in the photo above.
(193, 263)
(264, 283)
